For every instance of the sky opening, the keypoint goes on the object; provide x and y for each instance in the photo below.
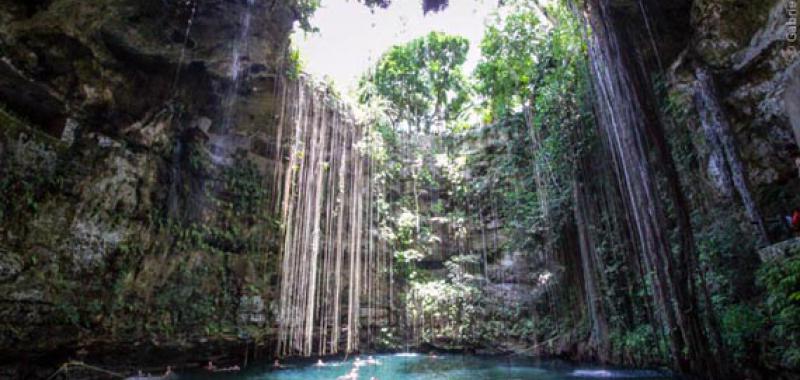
(352, 37)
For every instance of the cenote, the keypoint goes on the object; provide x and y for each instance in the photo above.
(425, 367)
(613, 182)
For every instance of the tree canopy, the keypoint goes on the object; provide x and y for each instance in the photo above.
(422, 80)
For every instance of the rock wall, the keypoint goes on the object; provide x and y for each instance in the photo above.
(709, 86)
(746, 48)
(139, 143)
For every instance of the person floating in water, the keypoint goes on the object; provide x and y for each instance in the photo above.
(353, 375)
(372, 361)
(234, 368)
(277, 364)
(212, 368)
(319, 363)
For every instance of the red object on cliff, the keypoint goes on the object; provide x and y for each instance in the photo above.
(796, 220)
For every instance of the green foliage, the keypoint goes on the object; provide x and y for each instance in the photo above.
(172, 280)
(245, 191)
(389, 338)
(533, 80)
(510, 59)
(210, 261)
(781, 279)
(742, 324)
(641, 345)
(305, 9)
(527, 62)
(294, 66)
(421, 81)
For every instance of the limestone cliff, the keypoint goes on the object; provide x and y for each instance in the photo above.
(700, 111)
(138, 144)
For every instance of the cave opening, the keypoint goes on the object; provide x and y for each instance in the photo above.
(320, 189)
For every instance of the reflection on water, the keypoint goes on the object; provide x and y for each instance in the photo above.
(408, 366)
(616, 374)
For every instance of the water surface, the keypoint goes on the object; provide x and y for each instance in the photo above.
(444, 367)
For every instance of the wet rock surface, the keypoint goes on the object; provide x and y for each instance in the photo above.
(120, 239)
(780, 251)
(745, 48)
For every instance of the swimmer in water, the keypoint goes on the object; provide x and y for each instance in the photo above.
(234, 368)
(319, 363)
(353, 375)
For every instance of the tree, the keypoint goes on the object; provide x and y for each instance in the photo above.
(422, 81)
(510, 54)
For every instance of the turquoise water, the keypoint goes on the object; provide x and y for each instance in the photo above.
(444, 367)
